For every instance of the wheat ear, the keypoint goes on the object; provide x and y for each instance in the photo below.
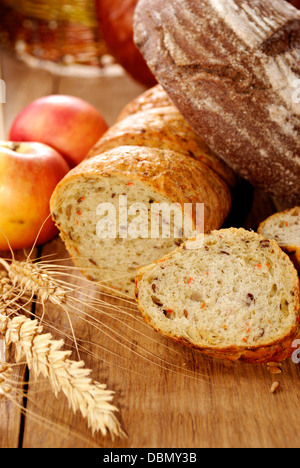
(29, 278)
(44, 356)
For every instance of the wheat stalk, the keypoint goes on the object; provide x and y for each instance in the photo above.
(45, 357)
(44, 274)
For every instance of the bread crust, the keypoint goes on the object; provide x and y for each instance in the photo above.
(222, 65)
(293, 251)
(277, 351)
(180, 179)
(162, 128)
(152, 98)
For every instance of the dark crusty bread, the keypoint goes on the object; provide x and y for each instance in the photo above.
(146, 176)
(231, 67)
(284, 227)
(231, 293)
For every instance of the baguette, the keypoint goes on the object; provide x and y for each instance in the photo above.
(232, 68)
(284, 227)
(232, 294)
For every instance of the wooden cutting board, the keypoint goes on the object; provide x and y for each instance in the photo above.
(168, 396)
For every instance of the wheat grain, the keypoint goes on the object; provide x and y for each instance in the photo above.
(5, 380)
(274, 387)
(7, 295)
(30, 280)
(29, 276)
(44, 356)
(3, 323)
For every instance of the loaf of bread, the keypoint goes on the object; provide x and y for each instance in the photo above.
(284, 227)
(232, 294)
(138, 177)
(232, 68)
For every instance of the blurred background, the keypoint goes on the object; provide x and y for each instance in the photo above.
(82, 48)
(69, 33)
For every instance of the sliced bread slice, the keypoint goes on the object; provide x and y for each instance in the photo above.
(284, 227)
(231, 294)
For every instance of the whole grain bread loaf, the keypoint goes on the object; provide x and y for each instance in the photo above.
(232, 67)
(284, 227)
(232, 294)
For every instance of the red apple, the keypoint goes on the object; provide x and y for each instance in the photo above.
(68, 124)
(29, 173)
(116, 26)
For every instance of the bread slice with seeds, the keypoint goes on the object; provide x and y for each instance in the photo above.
(232, 294)
(284, 227)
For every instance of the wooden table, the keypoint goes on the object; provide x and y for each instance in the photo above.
(168, 396)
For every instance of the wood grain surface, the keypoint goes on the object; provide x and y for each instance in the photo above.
(168, 396)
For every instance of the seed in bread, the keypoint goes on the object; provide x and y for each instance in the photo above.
(232, 294)
(284, 227)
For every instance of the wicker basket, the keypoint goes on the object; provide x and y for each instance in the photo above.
(64, 32)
